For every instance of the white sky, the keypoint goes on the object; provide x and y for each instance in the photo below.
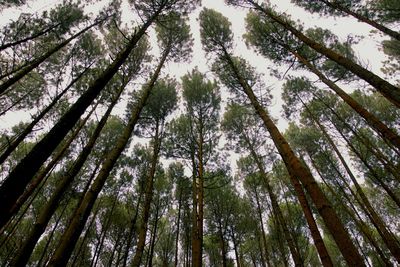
(367, 50)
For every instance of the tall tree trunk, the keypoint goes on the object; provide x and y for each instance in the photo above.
(197, 245)
(263, 233)
(222, 244)
(275, 206)
(296, 169)
(148, 198)
(131, 230)
(71, 234)
(14, 184)
(43, 174)
(373, 23)
(155, 228)
(235, 248)
(36, 62)
(391, 92)
(177, 228)
(21, 136)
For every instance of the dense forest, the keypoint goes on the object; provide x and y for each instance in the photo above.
(110, 158)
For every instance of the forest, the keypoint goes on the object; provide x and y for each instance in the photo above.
(141, 133)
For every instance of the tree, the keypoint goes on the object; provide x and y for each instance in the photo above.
(388, 90)
(217, 38)
(15, 183)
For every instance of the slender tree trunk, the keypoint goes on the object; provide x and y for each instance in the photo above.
(384, 131)
(235, 248)
(36, 62)
(14, 184)
(391, 92)
(15, 103)
(373, 23)
(21, 136)
(44, 173)
(153, 241)
(104, 231)
(222, 243)
(197, 245)
(264, 239)
(33, 36)
(177, 228)
(148, 198)
(296, 169)
(74, 229)
(132, 230)
(275, 206)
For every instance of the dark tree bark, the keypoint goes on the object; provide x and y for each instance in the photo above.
(21, 136)
(296, 169)
(14, 184)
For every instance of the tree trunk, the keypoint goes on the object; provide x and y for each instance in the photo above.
(21, 136)
(264, 239)
(43, 174)
(197, 246)
(177, 228)
(296, 169)
(14, 184)
(364, 19)
(275, 206)
(153, 241)
(74, 229)
(222, 243)
(391, 92)
(148, 198)
(235, 248)
(131, 230)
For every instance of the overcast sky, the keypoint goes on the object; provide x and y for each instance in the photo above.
(367, 50)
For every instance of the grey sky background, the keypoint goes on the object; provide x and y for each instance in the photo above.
(367, 49)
